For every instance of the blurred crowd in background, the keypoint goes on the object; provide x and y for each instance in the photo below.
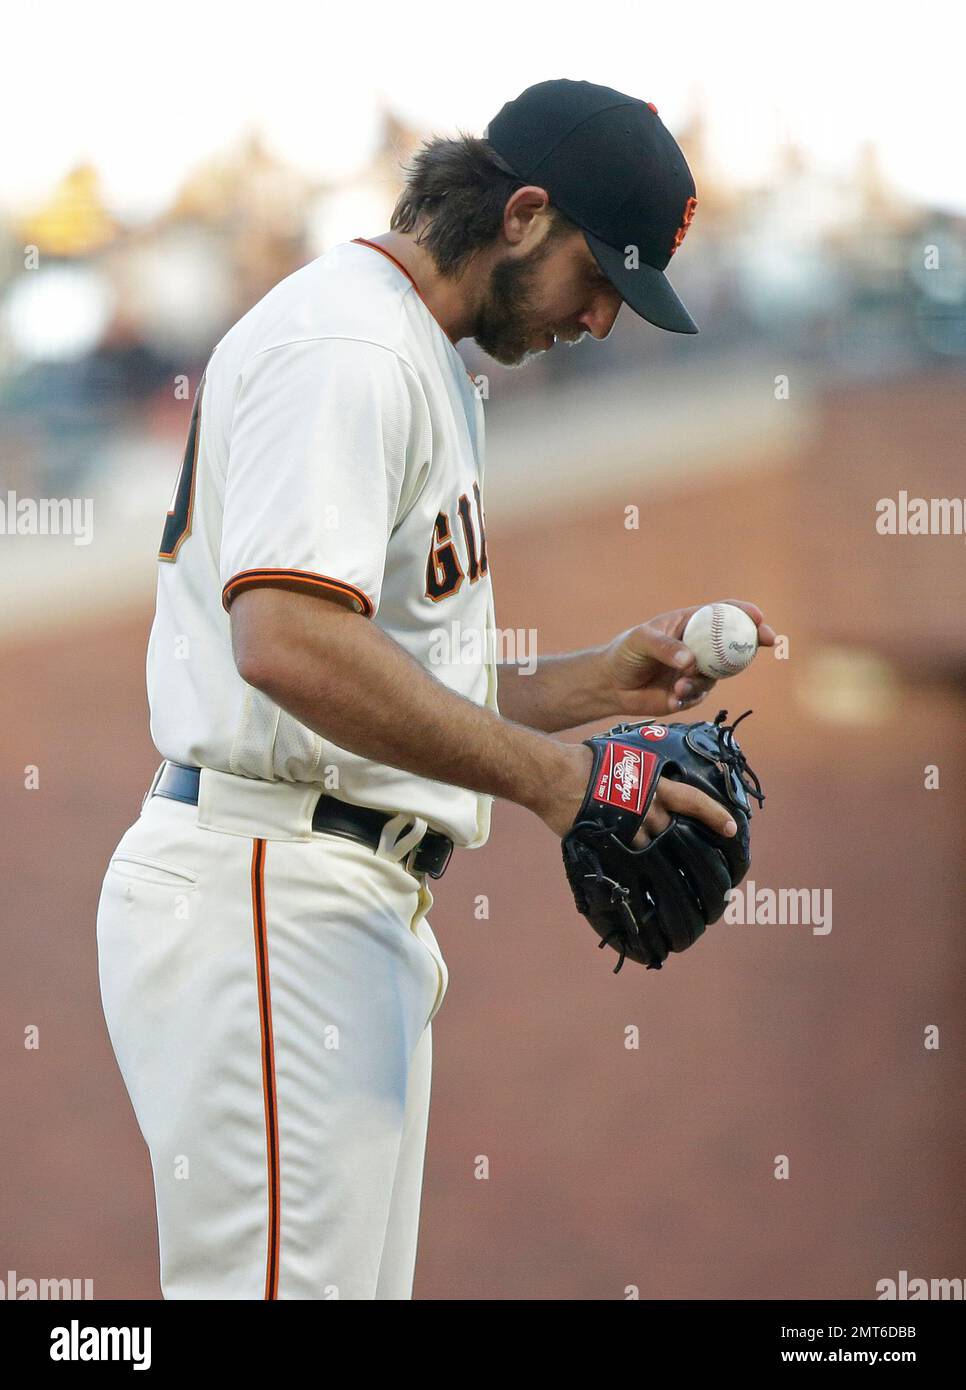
(99, 319)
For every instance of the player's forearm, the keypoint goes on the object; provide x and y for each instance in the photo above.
(563, 692)
(343, 677)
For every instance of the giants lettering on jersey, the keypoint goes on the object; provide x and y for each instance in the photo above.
(625, 777)
(444, 571)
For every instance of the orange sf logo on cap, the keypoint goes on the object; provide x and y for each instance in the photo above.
(679, 235)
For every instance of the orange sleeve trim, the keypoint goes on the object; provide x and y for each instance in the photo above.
(295, 579)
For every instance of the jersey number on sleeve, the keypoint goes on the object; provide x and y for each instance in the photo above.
(444, 573)
(177, 525)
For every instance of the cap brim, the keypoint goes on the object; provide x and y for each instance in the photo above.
(646, 290)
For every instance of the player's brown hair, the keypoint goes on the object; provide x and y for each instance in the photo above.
(460, 187)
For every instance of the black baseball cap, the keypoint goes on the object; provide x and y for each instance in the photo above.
(610, 164)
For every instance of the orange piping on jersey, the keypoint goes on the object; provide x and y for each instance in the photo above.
(295, 579)
(362, 241)
(268, 1068)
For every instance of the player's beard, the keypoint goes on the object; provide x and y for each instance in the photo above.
(508, 322)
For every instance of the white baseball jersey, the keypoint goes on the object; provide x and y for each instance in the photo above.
(336, 447)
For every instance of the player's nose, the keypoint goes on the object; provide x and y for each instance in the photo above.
(600, 317)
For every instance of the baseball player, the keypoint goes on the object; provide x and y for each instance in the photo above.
(268, 972)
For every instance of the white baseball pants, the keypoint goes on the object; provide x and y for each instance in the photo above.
(268, 992)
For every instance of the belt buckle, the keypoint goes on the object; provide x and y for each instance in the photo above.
(410, 862)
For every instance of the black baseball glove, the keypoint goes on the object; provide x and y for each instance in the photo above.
(648, 902)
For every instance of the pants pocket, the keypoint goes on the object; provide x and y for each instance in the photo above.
(144, 870)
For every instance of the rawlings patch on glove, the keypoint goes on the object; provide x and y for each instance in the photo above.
(648, 902)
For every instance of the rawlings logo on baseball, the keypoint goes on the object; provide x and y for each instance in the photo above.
(654, 731)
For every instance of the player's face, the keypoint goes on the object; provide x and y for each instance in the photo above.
(556, 294)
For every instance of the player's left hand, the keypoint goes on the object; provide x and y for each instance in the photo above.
(648, 670)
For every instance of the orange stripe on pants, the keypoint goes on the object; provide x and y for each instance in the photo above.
(268, 1066)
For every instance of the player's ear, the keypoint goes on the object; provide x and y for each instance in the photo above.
(526, 217)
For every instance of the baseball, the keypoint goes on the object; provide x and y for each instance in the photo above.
(723, 638)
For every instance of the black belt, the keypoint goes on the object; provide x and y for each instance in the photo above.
(331, 817)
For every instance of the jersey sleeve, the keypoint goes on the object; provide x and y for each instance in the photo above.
(321, 435)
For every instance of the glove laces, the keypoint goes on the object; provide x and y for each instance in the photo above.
(732, 755)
